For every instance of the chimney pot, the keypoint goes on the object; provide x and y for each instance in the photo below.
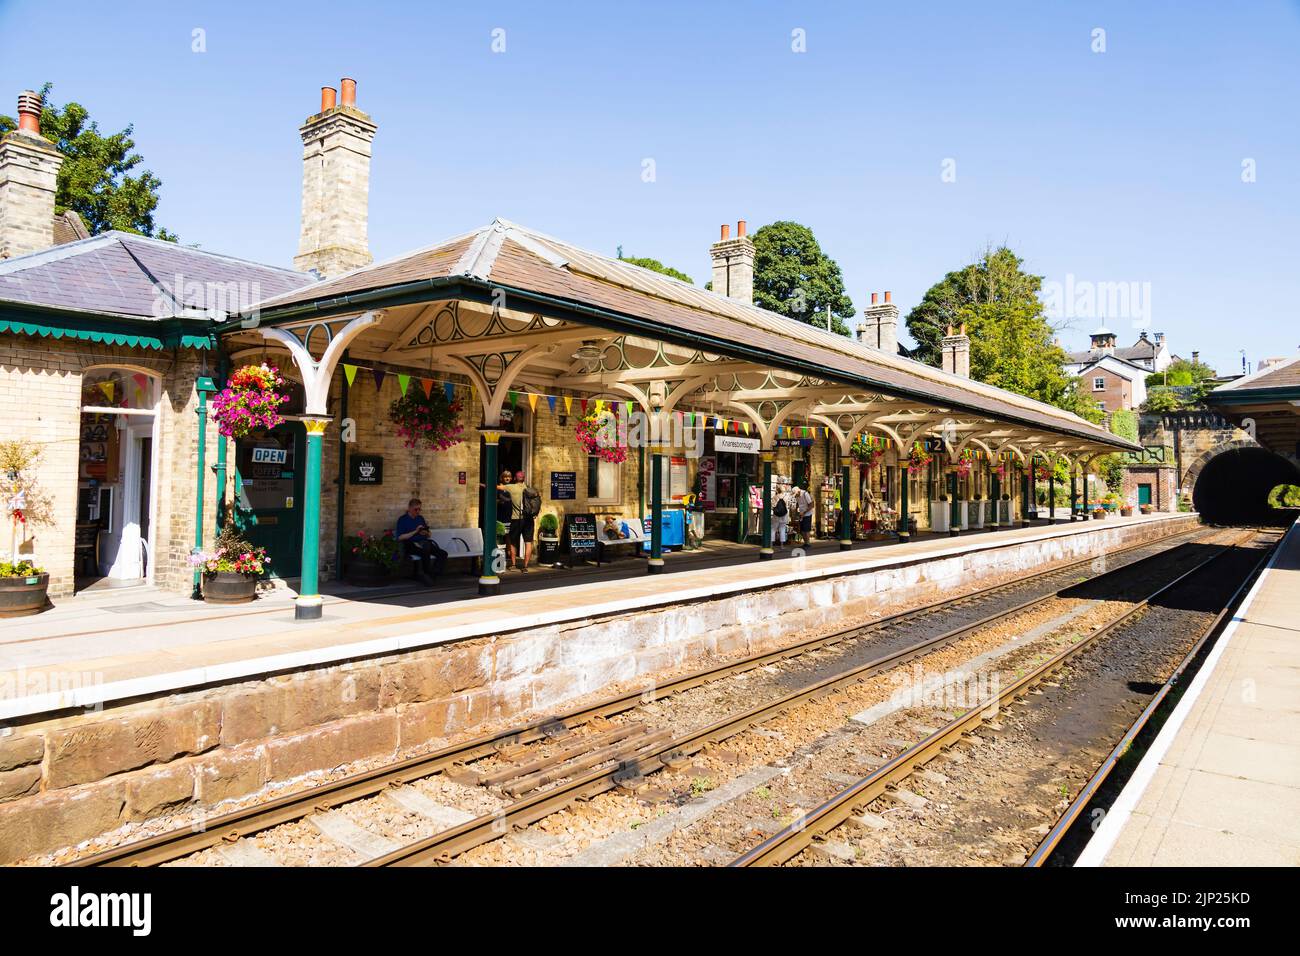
(29, 112)
(740, 228)
(349, 89)
(726, 231)
(328, 97)
(889, 297)
(875, 297)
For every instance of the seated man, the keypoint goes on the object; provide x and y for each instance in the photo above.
(413, 531)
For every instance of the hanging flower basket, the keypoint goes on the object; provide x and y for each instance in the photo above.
(250, 400)
(429, 420)
(918, 459)
(866, 452)
(965, 463)
(1042, 471)
(1007, 468)
(597, 432)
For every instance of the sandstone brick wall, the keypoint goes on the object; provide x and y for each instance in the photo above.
(71, 776)
(40, 400)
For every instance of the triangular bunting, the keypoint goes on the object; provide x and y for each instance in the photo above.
(550, 400)
(514, 398)
(403, 381)
(449, 390)
(568, 405)
(426, 385)
(583, 403)
(349, 372)
(107, 389)
(532, 401)
(379, 377)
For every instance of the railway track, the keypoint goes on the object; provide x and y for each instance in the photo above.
(585, 754)
(853, 800)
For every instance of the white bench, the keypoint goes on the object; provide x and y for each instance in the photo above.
(459, 543)
(635, 539)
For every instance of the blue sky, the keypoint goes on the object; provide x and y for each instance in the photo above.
(1122, 166)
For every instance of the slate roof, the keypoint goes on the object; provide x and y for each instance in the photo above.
(518, 258)
(1283, 375)
(125, 275)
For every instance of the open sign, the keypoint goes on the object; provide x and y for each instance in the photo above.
(269, 456)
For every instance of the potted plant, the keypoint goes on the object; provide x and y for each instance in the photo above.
(23, 585)
(548, 539)
(22, 588)
(1147, 509)
(1126, 510)
(1098, 512)
(250, 400)
(370, 559)
(231, 569)
(597, 433)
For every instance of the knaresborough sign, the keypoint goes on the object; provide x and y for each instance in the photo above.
(746, 446)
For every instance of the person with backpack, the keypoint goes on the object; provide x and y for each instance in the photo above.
(525, 503)
(780, 517)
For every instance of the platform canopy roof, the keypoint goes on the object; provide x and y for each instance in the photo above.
(514, 310)
(1270, 399)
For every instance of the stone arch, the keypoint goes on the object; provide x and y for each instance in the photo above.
(1194, 470)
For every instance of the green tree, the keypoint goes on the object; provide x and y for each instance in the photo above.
(656, 266)
(1012, 343)
(1184, 373)
(793, 277)
(96, 180)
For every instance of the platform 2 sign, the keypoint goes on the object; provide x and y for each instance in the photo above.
(564, 485)
(580, 536)
(366, 470)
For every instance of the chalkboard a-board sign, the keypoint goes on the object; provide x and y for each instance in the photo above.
(366, 470)
(580, 536)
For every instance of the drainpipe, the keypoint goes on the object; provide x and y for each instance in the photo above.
(342, 479)
(223, 370)
(203, 386)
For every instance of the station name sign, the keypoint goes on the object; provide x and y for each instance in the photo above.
(745, 446)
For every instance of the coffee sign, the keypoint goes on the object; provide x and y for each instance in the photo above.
(366, 470)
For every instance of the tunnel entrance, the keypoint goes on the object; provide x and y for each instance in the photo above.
(1233, 486)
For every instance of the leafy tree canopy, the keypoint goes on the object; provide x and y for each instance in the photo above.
(656, 266)
(1185, 373)
(1012, 343)
(793, 277)
(96, 180)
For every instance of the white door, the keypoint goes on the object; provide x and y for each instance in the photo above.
(128, 561)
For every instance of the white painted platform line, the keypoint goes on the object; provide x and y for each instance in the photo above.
(1104, 839)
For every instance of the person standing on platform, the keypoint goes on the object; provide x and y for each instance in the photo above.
(803, 508)
(780, 517)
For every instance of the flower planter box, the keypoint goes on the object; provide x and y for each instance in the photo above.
(20, 596)
(1147, 509)
(366, 574)
(229, 587)
(1098, 515)
(1126, 511)
(939, 517)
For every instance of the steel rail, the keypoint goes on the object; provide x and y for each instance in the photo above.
(443, 846)
(1048, 846)
(798, 836)
(180, 842)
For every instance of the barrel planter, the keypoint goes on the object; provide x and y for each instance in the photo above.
(366, 574)
(229, 587)
(548, 550)
(20, 596)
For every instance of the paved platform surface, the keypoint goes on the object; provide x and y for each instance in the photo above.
(1220, 785)
(123, 643)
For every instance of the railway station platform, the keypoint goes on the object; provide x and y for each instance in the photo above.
(1220, 785)
(116, 713)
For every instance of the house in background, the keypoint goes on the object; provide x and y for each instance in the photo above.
(1114, 377)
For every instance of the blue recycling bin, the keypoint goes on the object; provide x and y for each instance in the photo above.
(672, 528)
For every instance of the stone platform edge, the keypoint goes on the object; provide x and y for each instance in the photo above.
(509, 623)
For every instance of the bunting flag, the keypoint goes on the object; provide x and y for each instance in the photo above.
(550, 400)
(514, 398)
(403, 381)
(107, 389)
(379, 378)
(583, 403)
(141, 380)
(568, 404)
(628, 406)
(426, 384)
(600, 406)
(449, 390)
(532, 401)
(350, 373)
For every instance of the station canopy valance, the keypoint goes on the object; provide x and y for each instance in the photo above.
(514, 310)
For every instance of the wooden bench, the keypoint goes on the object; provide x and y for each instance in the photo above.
(635, 539)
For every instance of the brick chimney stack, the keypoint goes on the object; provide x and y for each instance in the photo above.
(733, 264)
(335, 185)
(879, 328)
(29, 172)
(956, 352)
